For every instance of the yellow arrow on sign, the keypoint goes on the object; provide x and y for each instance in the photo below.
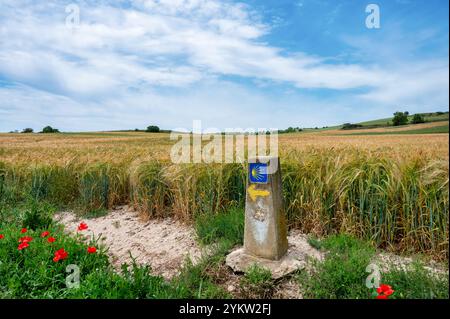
(253, 192)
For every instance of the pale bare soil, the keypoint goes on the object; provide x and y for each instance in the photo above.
(386, 261)
(163, 244)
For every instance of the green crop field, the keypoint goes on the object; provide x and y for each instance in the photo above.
(427, 130)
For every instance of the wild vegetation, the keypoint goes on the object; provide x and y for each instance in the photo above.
(342, 275)
(32, 270)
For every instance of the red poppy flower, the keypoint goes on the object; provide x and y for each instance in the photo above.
(1, 236)
(384, 291)
(23, 245)
(60, 254)
(82, 226)
(92, 250)
(45, 234)
(51, 239)
(23, 231)
(25, 239)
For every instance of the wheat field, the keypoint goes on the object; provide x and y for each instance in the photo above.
(389, 189)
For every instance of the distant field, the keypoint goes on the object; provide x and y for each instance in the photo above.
(428, 130)
(425, 128)
(428, 117)
(383, 123)
(389, 189)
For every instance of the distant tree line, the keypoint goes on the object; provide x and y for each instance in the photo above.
(290, 130)
(47, 129)
(401, 118)
(152, 129)
(418, 118)
(156, 129)
(350, 126)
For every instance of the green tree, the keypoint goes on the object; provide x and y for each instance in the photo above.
(27, 130)
(400, 118)
(417, 118)
(350, 126)
(152, 129)
(49, 129)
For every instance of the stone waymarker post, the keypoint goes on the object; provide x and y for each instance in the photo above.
(265, 226)
(265, 236)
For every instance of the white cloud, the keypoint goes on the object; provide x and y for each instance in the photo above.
(206, 36)
(121, 57)
(423, 84)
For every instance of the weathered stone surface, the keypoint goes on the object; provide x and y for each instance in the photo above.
(299, 252)
(265, 226)
(265, 237)
(240, 261)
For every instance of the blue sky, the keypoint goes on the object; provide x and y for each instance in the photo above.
(231, 64)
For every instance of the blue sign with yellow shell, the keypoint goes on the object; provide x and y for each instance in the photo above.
(257, 173)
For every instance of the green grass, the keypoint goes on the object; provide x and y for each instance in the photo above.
(32, 273)
(434, 117)
(201, 280)
(427, 130)
(133, 282)
(315, 242)
(222, 226)
(417, 283)
(378, 122)
(38, 216)
(342, 274)
(257, 283)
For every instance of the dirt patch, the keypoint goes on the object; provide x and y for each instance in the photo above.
(288, 289)
(163, 244)
(388, 261)
(300, 241)
(284, 288)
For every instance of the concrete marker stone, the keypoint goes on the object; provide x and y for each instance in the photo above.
(265, 236)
